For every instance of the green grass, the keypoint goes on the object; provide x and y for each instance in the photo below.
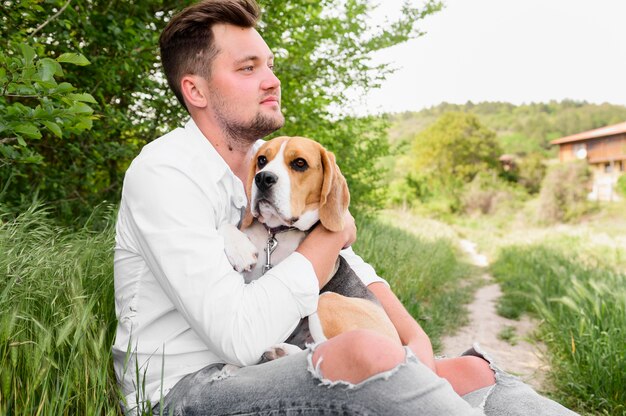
(425, 272)
(581, 303)
(57, 318)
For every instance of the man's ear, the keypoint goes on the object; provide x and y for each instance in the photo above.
(335, 197)
(248, 218)
(192, 91)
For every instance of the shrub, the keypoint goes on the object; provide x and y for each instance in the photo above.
(531, 172)
(564, 190)
(621, 185)
(487, 194)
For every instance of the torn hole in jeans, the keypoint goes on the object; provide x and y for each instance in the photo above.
(316, 370)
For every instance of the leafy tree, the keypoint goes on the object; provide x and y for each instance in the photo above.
(323, 51)
(68, 167)
(454, 149)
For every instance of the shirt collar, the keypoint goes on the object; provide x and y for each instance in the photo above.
(216, 163)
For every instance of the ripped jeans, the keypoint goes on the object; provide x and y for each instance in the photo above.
(292, 386)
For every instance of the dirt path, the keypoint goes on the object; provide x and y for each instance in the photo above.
(522, 359)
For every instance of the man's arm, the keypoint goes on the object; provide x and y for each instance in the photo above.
(321, 247)
(173, 218)
(411, 333)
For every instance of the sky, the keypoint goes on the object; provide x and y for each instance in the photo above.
(518, 51)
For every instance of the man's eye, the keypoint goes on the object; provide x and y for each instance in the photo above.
(299, 164)
(261, 161)
(247, 68)
(272, 67)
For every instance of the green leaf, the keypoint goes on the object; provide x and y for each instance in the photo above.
(53, 127)
(47, 69)
(20, 141)
(27, 130)
(64, 87)
(28, 53)
(80, 108)
(73, 58)
(84, 97)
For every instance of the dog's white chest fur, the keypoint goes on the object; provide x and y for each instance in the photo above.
(287, 243)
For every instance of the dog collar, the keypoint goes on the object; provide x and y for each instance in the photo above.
(272, 243)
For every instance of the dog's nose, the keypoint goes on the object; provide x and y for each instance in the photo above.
(265, 180)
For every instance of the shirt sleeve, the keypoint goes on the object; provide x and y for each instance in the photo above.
(173, 219)
(366, 273)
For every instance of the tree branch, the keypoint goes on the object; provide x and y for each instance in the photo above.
(51, 18)
(8, 140)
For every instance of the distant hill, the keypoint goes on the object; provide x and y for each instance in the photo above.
(521, 129)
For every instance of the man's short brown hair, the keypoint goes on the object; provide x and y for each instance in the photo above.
(187, 44)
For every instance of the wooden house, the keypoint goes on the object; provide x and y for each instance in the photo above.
(605, 151)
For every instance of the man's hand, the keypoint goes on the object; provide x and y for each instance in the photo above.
(322, 247)
(349, 229)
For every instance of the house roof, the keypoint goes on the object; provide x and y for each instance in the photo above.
(592, 134)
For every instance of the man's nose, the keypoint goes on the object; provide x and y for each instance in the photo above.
(265, 180)
(271, 81)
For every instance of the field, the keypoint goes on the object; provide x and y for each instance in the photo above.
(571, 277)
(58, 317)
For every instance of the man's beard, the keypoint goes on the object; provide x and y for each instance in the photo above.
(242, 134)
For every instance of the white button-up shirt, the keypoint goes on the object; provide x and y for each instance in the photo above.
(180, 305)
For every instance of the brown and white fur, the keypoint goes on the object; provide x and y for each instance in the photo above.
(295, 182)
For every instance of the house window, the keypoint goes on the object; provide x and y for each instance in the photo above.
(608, 168)
(580, 150)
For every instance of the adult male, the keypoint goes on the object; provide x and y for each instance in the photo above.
(183, 311)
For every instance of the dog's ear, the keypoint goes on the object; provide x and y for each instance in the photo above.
(247, 217)
(335, 197)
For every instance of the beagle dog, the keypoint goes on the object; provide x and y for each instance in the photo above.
(293, 184)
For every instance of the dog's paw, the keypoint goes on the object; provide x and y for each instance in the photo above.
(279, 351)
(241, 253)
(227, 371)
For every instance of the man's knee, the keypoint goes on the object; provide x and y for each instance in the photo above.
(357, 355)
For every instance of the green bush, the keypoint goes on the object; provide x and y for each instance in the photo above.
(582, 309)
(488, 194)
(564, 191)
(621, 185)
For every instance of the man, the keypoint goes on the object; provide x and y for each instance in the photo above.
(183, 312)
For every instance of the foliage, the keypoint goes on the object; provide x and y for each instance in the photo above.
(31, 100)
(564, 190)
(621, 185)
(521, 129)
(530, 172)
(76, 170)
(582, 307)
(58, 317)
(488, 194)
(453, 150)
(322, 47)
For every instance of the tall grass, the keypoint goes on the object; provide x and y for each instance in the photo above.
(57, 318)
(582, 307)
(424, 273)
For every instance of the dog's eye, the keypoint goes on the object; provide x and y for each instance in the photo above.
(299, 164)
(261, 161)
